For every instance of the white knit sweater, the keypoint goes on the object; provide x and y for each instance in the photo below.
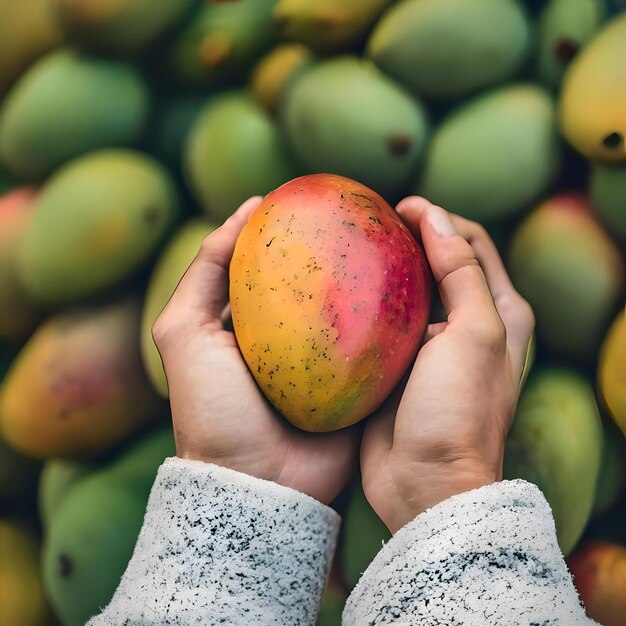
(221, 547)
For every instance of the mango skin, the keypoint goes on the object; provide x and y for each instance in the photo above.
(592, 107)
(607, 192)
(98, 220)
(78, 387)
(486, 168)
(412, 43)
(66, 105)
(233, 152)
(347, 117)
(556, 443)
(170, 267)
(330, 296)
(612, 371)
(567, 267)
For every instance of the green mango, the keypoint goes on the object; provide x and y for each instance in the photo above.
(446, 49)
(66, 105)
(343, 116)
(608, 196)
(18, 478)
(234, 151)
(119, 25)
(172, 264)
(223, 39)
(98, 219)
(28, 29)
(612, 476)
(570, 272)
(331, 608)
(556, 443)
(494, 155)
(93, 529)
(565, 27)
(327, 25)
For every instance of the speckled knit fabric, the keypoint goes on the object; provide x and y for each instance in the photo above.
(220, 547)
(488, 557)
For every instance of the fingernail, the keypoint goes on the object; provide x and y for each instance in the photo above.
(440, 221)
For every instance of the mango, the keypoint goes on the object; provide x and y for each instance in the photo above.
(92, 533)
(565, 27)
(118, 26)
(327, 25)
(570, 271)
(222, 40)
(592, 107)
(78, 388)
(447, 49)
(493, 156)
(556, 443)
(66, 105)
(98, 220)
(27, 31)
(171, 266)
(18, 312)
(599, 571)
(346, 117)
(22, 600)
(330, 296)
(612, 371)
(608, 196)
(234, 151)
(612, 477)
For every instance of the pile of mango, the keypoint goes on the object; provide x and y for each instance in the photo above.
(129, 129)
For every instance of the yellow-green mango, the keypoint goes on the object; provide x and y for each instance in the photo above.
(612, 371)
(98, 220)
(570, 271)
(118, 25)
(28, 29)
(327, 25)
(78, 387)
(593, 96)
(68, 104)
(565, 27)
(494, 155)
(344, 116)
(612, 477)
(223, 39)
(172, 264)
(556, 443)
(234, 151)
(446, 49)
(608, 196)
(18, 312)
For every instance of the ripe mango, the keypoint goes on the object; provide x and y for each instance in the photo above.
(494, 155)
(330, 296)
(570, 271)
(233, 152)
(18, 312)
(98, 219)
(346, 117)
(608, 196)
(78, 387)
(593, 96)
(556, 443)
(171, 266)
(446, 49)
(118, 25)
(327, 25)
(66, 105)
(612, 371)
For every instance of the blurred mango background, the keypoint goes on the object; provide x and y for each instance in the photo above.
(129, 129)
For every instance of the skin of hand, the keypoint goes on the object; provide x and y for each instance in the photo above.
(444, 433)
(219, 414)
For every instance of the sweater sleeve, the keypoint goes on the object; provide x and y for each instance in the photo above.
(486, 557)
(221, 547)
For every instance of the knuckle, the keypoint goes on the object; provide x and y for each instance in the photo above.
(490, 333)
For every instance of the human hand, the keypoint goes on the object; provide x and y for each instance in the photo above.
(446, 433)
(220, 415)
